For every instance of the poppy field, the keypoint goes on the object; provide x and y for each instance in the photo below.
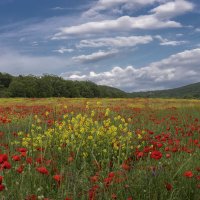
(99, 149)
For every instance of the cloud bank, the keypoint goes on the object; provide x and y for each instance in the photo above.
(130, 41)
(178, 69)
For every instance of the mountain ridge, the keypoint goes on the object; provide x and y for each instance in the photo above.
(186, 91)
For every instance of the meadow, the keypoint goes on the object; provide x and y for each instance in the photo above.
(99, 149)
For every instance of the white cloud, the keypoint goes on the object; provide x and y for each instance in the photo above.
(116, 41)
(160, 18)
(197, 29)
(172, 9)
(100, 55)
(116, 6)
(178, 69)
(58, 8)
(179, 34)
(172, 43)
(34, 43)
(166, 42)
(125, 23)
(63, 50)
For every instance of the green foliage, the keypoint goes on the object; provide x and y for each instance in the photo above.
(17, 89)
(52, 86)
(106, 91)
(5, 80)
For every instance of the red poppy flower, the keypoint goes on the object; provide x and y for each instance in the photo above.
(43, 170)
(125, 167)
(2, 187)
(31, 197)
(140, 154)
(16, 158)
(40, 149)
(156, 155)
(168, 186)
(107, 181)
(174, 149)
(3, 158)
(92, 192)
(198, 169)
(1, 134)
(167, 149)
(168, 155)
(57, 178)
(70, 159)
(159, 145)
(67, 198)
(20, 169)
(111, 174)
(129, 198)
(151, 132)
(6, 165)
(94, 179)
(198, 177)
(114, 196)
(22, 150)
(23, 154)
(39, 160)
(29, 160)
(188, 174)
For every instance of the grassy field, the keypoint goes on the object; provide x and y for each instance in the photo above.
(129, 149)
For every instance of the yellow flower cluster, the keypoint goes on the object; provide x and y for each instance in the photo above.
(86, 134)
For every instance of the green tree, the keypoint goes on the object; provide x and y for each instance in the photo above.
(17, 89)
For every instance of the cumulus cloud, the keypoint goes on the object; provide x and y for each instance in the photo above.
(116, 41)
(166, 42)
(157, 18)
(125, 23)
(178, 69)
(94, 57)
(172, 9)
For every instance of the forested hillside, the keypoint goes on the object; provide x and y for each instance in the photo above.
(52, 86)
(185, 92)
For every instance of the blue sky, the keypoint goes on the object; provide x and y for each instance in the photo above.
(129, 44)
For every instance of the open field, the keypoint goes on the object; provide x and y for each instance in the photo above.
(62, 149)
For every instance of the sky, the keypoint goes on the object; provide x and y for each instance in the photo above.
(133, 45)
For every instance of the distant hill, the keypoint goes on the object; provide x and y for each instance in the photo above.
(185, 92)
(108, 91)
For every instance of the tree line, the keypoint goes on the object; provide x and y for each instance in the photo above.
(53, 86)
